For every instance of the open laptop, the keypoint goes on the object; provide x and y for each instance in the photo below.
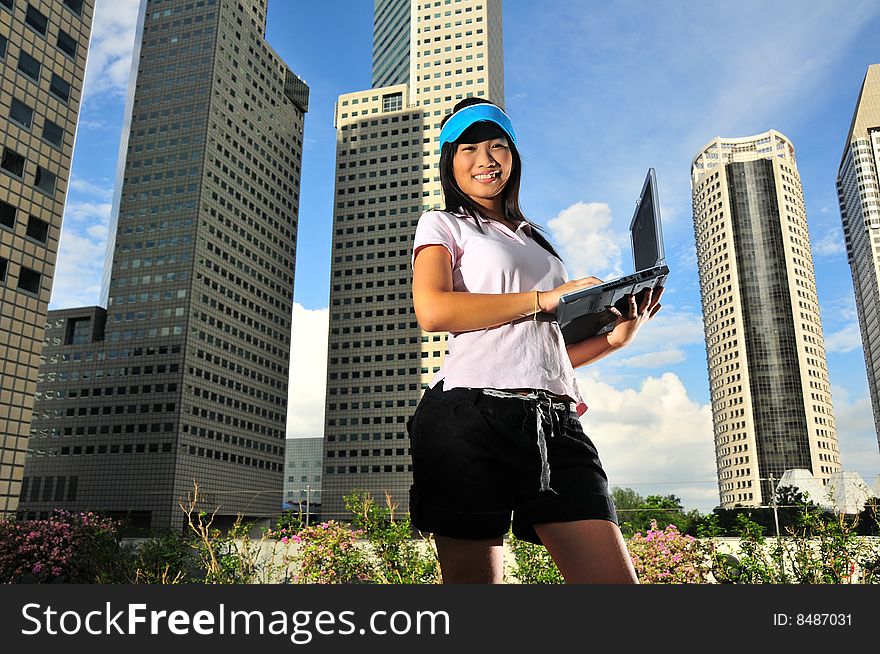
(585, 312)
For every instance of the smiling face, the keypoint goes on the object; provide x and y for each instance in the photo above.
(482, 170)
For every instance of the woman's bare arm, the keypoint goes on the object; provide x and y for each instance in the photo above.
(439, 308)
(625, 330)
(590, 350)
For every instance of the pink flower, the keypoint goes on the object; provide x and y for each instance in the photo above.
(284, 540)
(37, 568)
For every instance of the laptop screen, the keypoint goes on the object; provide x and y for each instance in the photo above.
(647, 245)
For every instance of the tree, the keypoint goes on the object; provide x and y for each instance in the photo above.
(636, 513)
(868, 523)
(793, 506)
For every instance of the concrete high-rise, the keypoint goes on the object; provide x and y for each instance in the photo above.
(184, 376)
(858, 192)
(768, 378)
(379, 360)
(43, 48)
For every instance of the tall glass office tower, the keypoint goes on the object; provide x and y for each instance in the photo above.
(858, 192)
(184, 376)
(391, 34)
(43, 48)
(768, 378)
(379, 360)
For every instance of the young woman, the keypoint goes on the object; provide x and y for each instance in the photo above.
(497, 434)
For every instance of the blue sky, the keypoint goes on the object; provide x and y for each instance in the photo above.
(598, 91)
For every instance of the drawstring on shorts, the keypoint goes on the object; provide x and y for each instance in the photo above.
(544, 404)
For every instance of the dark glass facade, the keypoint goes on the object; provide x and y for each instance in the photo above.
(189, 379)
(781, 431)
(391, 30)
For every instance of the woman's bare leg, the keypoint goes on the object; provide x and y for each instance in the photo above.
(588, 551)
(470, 561)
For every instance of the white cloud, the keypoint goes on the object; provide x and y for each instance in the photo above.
(82, 247)
(589, 245)
(669, 328)
(839, 309)
(780, 67)
(92, 124)
(308, 372)
(830, 244)
(655, 439)
(101, 190)
(111, 46)
(662, 342)
(86, 212)
(603, 133)
(80, 263)
(856, 434)
(686, 257)
(844, 340)
(653, 359)
(81, 254)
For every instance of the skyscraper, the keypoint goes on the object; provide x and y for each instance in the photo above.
(391, 52)
(184, 377)
(379, 360)
(43, 47)
(302, 475)
(768, 379)
(858, 192)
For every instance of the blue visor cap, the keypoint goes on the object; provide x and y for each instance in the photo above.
(464, 118)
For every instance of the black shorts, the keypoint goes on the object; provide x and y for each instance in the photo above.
(477, 459)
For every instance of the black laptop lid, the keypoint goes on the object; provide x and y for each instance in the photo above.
(645, 230)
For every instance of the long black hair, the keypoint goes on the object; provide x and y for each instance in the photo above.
(456, 200)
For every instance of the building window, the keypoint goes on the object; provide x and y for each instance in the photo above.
(392, 102)
(36, 20)
(9, 4)
(76, 6)
(45, 181)
(35, 488)
(4, 265)
(29, 280)
(59, 88)
(12, 162)
(21, 113)
(29, 66)
(3, 42)
(78, 331)
(38, 229)
(53, 133)
(7, 215)
(66, 43)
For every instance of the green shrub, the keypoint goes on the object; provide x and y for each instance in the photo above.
(328, 554)
(533, 564)
(666, 556)
(166, 558)
(400, 556)
(69, 547)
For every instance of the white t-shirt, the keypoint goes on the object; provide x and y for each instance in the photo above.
(525, 353)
